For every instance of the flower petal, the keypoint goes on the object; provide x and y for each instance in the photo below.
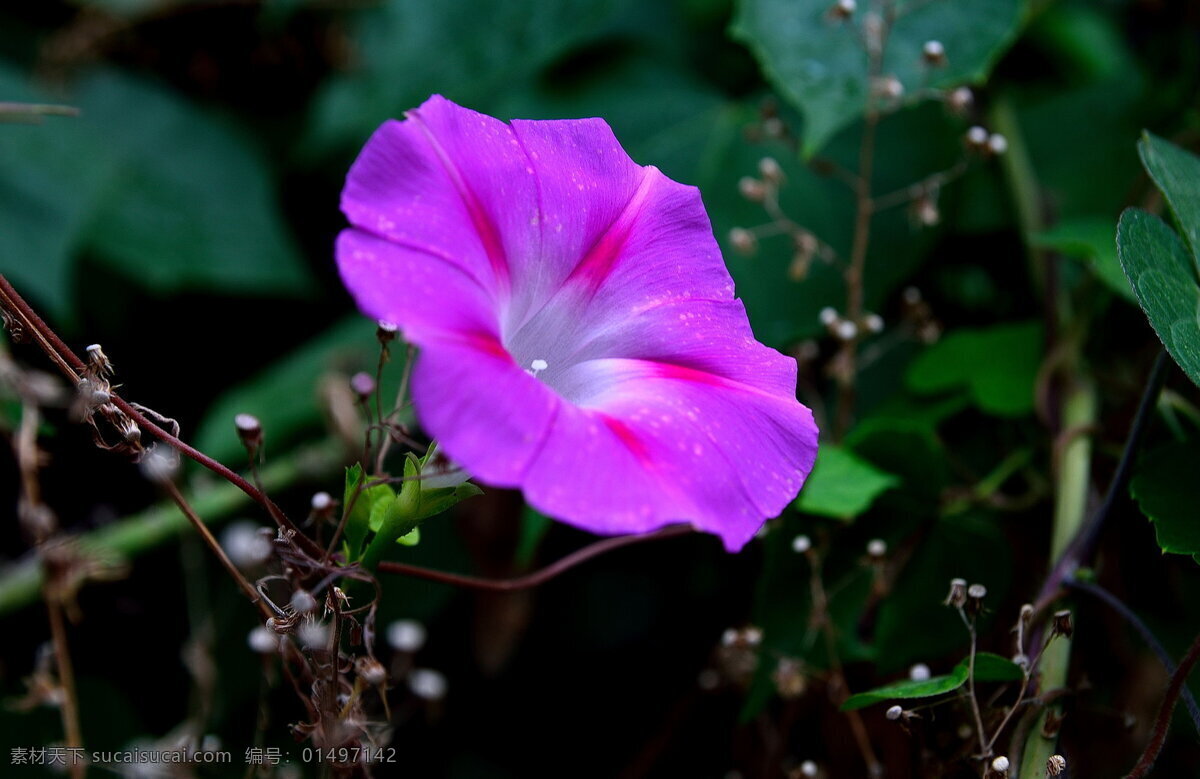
(488, 414)
(421, 293)
(737, 454)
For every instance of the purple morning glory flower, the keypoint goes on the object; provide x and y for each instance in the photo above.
(578, 331)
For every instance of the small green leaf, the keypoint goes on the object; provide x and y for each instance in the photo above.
(998, 365)
(842, 485)
(1177, 173)
(365, 510)
(1163, 487)
(937, 685)
(1093, 241)
(994, 668)
(437, 500)
(1164, 281)
(988, 668)
(820, 63)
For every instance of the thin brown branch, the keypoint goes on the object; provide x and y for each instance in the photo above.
(66, 679)
(1163, 722)
(70, 364)
(209, 539)
(537, 577)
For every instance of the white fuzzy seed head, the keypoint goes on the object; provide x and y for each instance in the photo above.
(263, 640)
(427, 684)
(406, 635)
(919, 673)
(752, 189)
(363, 384)
(247, 424)
(768, 168)
(322, 501)
(893, 713)
(743, 241)
(801, 544)
(245, 545)
(303, 601)
(960, 99)
(313, 635)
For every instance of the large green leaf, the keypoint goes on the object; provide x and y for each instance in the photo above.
(1177, 174)
(473, 54)
(1092, 240)
(842, 485)
(820, 64)
(193, 205)
(1164, 280)
(47, 195)
(157, 188)
(1164, 487)
(998, 365)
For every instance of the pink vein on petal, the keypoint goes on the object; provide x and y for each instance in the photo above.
(479, 218)
(600, 260)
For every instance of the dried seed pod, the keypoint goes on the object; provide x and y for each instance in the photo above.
(958, 593)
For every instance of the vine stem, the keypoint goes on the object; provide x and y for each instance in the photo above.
(1115, 603)
(66, 678)
(537, 577)
(73, 367)
(1163, 722)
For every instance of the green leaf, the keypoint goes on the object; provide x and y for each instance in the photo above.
(156, 188)
(409, 49)
(820, 64)
(437, 500)
(1164, 488)
(363, 514)
(998, 365)
(988, 668)
(994, 668)
(936, 685)
(1092, 240)
(47, 196)
(193, 205)
(842, 485)
(1164, 281)
(1177, 173)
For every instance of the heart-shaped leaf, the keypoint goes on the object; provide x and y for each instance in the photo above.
(818, 59)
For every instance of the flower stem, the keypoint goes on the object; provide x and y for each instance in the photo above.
(1163, 722)
(1079, 411)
